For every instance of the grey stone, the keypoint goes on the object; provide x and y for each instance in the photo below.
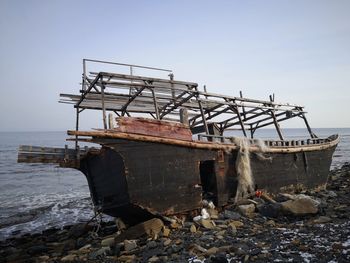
(38, 249)
(322, 220)
(246, 210)
(130, 245)
(231, 215)
(273, 210)
(108, 242)
(300, 206)
(152, 244)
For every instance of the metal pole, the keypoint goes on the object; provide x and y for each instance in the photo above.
(123, 64)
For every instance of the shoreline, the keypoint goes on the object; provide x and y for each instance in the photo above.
(257, 236)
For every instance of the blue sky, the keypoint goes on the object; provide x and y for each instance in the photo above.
(299, 50)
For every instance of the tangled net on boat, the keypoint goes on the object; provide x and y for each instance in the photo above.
(243, 168)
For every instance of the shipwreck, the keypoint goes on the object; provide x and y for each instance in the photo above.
(164, 145)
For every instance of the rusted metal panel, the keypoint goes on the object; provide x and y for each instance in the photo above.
(105, 172)
(167, 180)
(275, 171)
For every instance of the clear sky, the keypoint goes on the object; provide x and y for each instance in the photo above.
(299, 50)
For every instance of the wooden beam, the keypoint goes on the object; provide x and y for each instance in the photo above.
(103, 106)
(123, 109)
(156, 109)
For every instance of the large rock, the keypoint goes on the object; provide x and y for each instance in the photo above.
(150, 228)
(246, 210)
(300, 206)
(273, 210)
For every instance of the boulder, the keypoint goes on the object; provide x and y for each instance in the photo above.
(246, 210)
(300, 206)
(149, 228)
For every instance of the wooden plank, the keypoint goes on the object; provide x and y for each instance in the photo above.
(153, 128)
(198, 144)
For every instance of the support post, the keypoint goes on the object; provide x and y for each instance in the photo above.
(312, 135)
(76, 128)
(83, 84)
(202, 113)
(278, 129)
(103, 105)
(240, 121)
(184, 116)
(243, 108)
(155, 103)
(251, 132)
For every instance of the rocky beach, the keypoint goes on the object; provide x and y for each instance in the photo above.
(310, 226)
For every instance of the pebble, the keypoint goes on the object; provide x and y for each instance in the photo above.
(153, 259)
(108, 242)
(167, 242)
(130, 245)
(322, 220)
(68, 258)
(207, 223)
(232, 228)
(166, 231)
(193, 229)
(231, 215)
(236, 223)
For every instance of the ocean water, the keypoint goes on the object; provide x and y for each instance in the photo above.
(34, 197)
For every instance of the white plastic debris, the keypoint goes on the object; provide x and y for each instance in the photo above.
(205, 214)
(211, 205)
(197, 218)
(205, 203)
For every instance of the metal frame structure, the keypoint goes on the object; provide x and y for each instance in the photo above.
(164, 99)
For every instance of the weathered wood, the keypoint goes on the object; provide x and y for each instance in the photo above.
(154, 128)
(199, 145)
(184, 116)
(278, 129)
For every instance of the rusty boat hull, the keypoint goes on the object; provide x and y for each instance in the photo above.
(132, 178)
